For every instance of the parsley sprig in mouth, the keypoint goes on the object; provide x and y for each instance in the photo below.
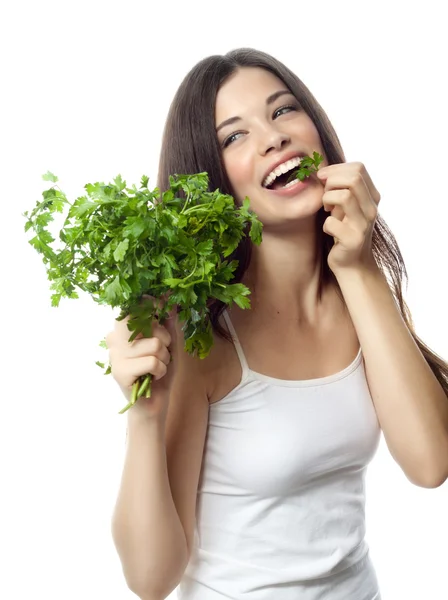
(307, 166)
(122, 243)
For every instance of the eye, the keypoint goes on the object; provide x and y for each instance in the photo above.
(230, 138)
(284, 109)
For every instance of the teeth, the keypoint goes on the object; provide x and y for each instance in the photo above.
(293, 182)
(283, 168)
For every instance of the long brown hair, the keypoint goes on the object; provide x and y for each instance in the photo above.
(190, 145)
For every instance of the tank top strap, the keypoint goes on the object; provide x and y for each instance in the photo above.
(238, 348)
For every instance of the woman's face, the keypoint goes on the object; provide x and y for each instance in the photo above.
(267, 127)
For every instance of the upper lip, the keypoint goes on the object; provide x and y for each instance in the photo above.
(281, 160)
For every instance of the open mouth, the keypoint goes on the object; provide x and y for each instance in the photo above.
(284, 180)
(283, 174)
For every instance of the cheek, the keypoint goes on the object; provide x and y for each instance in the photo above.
(240, 173)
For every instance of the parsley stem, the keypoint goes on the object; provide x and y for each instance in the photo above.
(196, 208)
(138, 390)
(144, 386)
(127, 407)
(134, 395)
(186, 204)
(133, 399)
(194, 283)
(195, 267)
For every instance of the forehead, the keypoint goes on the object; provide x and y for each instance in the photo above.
(244, 89)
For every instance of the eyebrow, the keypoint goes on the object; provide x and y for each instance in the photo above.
(269, 100)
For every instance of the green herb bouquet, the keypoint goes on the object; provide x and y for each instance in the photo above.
(124, 243)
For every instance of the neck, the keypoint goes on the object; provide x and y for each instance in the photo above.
(284, 276)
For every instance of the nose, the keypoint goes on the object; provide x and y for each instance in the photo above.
(272, 139)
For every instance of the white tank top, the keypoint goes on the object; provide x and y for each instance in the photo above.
(280, 511)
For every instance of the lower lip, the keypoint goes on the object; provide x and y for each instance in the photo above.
(292, 190)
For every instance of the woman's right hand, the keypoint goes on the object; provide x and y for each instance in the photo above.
(131, 360)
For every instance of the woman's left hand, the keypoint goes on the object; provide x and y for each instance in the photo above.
(353, 201)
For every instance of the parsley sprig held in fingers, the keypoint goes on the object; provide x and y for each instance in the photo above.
(307, 166)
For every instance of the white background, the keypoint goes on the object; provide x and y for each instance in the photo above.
(86, 87)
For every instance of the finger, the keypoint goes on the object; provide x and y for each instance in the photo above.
(121, 329)
(346, 205)
(137, 367)
(149, 364)
(148, 347)
(360, 199)
(343, 234)
(373, 192)
(161, 337)
(161, 331)
(355, 177)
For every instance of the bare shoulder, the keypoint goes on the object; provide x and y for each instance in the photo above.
(216, 374)
(220, 365)
(223, 369)
(206, 370)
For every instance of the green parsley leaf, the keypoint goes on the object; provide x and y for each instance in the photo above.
(303, 171)
(49, 177)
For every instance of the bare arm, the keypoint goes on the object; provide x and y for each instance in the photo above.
(411, 404)
(146, 529)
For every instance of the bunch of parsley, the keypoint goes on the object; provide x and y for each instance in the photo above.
(122, 243)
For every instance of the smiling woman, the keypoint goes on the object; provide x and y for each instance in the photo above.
(256, 475)
(262, 154)
(191, 144)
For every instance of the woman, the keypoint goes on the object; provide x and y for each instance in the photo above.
(244, 473)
